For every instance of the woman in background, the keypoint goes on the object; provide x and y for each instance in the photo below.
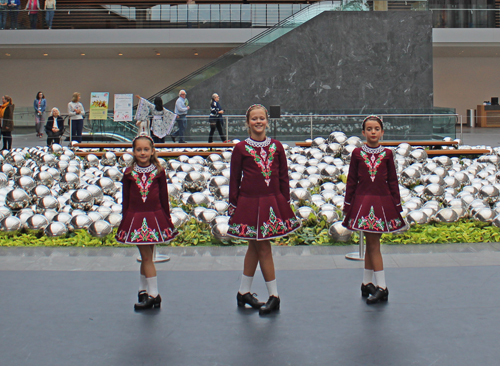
(7, 118)
(76, 115)
(215, 119)
(54, 127)
(33, 6)
(39, 105)
(49, 7)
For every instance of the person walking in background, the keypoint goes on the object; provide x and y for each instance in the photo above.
(54, 127)
(7, 120)
(3, 14)
(162, 120)
(215, 118)
(49, 7)
(181, 110)
(372, 204)
(32, 6)
(13, 6)
(39, 105)
(76, 114)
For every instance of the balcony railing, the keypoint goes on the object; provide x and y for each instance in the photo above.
(243, 15)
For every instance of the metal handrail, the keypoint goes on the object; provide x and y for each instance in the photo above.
(170, 16)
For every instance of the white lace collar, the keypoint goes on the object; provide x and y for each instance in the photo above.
(140, 169)
(254, 143)
(372, 150)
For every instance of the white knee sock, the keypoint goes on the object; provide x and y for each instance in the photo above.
(380, 278)
(246, 284)
(152, 286)
(143, 285)
(272, 288)
(367, 276)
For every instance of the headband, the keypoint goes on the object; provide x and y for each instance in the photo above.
(372, 116)
(146, 136)
(255, 106)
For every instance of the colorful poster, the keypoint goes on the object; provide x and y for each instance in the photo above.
(99, 105)
(123, 107)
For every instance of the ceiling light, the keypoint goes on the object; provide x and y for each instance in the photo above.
(196, 53)
(157, 53)
(7, 54)
(82, 54)
(45, 54)
(120, 54)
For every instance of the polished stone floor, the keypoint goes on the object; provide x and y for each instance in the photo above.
(75, 306)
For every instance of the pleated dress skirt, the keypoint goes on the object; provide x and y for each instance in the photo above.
(146, 228)
(262, 218)
(376, 214)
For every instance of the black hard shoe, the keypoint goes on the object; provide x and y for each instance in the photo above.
(173, 138)
(250, 299)
(142, 296)
(149, 303)
(272, 304)
(380, 295)
(367, 290)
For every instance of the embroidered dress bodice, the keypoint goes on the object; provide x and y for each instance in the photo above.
(258, 168)
(262, 158)
(372, 157)
(143, 177)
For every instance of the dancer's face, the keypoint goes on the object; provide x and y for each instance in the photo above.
(373, 133)
(143, 151)
(257, 123)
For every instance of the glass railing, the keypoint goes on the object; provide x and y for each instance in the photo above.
(162, 16)
(209, 15)
(398, 127)
(458, 17)
(293, 128)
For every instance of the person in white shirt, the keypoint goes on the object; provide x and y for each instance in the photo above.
(181, 110)
(49, 7)
(76, 115)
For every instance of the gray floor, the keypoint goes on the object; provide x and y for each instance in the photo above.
(75, 306)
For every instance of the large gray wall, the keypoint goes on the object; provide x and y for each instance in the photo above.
(352, 61)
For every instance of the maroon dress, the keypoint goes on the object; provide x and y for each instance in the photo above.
(259, 192)
(146, 211)
(372, 202)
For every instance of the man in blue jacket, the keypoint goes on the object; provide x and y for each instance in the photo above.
(13, 7)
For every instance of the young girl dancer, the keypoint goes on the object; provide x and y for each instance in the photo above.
(372, 204)
(146, 215)
(259, 196)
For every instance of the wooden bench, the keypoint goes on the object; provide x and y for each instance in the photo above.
(458, 152)
(396, 143)
(159, 153)
(126, 145)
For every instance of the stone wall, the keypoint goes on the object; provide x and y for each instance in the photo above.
(354, 62)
